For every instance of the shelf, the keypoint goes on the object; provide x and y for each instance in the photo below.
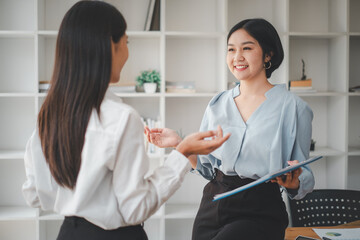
(181, 211)
(11, 154)
(140, 94)
(320, 94)
(195, 34)
(144, 34)
(17, 94)
(47, 33)
(137, 94)
(190, 95)
(17, 34)
(17, 213)
(316, 35)
(326, 152)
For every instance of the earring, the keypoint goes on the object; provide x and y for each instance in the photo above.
(269, 66)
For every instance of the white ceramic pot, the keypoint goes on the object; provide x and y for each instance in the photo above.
(150, 87)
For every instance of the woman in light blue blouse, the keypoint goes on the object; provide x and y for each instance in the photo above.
(270, 129)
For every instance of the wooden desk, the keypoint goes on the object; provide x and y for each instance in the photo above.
(292, 232)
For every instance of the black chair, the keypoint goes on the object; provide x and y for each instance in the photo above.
(325, 207)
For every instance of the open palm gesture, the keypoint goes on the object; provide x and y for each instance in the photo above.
(162, 137)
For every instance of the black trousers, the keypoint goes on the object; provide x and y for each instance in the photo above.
(76, 228)
(258, 213)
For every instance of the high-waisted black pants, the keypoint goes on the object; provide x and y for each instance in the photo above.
(258, 213)
(76, 228)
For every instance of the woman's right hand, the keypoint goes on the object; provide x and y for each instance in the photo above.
(196, 144)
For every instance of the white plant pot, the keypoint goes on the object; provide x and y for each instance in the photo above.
(150, 87)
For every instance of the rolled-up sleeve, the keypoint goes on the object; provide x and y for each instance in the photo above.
(139, 197)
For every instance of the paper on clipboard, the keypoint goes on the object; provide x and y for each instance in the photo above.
(338, 233)
(266, 178)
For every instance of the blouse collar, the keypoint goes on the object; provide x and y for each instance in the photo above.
(269, 93)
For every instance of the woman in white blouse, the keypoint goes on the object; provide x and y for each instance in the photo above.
(86, 159)
(270, 128)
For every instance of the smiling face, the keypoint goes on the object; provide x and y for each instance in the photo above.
(245, 57)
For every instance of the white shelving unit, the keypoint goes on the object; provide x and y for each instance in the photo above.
(191, 46)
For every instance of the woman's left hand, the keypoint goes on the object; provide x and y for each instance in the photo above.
(162, 137)
(292, 178)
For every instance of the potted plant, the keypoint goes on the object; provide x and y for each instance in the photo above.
(149, 79)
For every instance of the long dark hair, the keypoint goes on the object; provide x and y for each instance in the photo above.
(267, 37)
(80, 79)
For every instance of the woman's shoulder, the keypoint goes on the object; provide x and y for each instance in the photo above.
(288, 96)
(291, 100)
(217, 99)
(113, 113)
(115, 104)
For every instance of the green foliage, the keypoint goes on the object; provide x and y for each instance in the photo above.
(149, 76)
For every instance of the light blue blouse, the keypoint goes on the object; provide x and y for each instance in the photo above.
(278, 130)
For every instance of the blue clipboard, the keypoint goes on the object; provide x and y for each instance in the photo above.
(266, 178)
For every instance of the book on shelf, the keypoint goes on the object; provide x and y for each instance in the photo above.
(155, 21)
(180, 87)
(44, 86)
(150, 123)
(354, 89)
(123, 87)
(180, 90)
(301, 83)
(149, 16)
(301, 86)
(302, 89)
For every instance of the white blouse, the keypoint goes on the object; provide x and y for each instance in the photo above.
(111, 190)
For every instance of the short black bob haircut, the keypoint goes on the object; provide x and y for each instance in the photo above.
(267, 37)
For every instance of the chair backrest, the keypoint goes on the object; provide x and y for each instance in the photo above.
(325, 207)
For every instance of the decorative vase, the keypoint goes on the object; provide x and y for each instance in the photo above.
(150, 87)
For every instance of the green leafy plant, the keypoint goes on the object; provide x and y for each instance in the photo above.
(148, 76)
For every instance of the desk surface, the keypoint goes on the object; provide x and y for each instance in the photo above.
(292, 232)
